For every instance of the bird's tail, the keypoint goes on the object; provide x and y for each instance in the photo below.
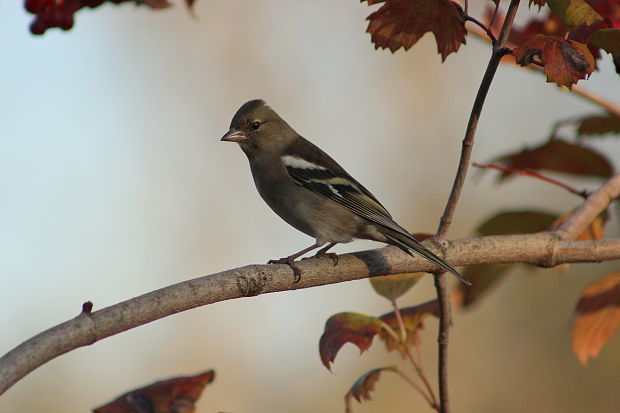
(407, 243)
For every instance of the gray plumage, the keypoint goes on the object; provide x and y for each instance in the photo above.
(310, 191)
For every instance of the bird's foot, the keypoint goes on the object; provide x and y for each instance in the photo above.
(290, 261)
(320, 254)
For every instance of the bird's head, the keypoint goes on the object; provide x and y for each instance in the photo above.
(259, 129)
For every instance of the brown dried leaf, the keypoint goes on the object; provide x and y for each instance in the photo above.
(401, 23)
(362, 387)
(608, 40)
(412, 321)
(343, 328)
(597, 316)
(594, 231)
(599, 125)
(565, 61)
(177, 395)
(561, 156)
(517, 222)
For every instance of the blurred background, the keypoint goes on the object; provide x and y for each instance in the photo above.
(114, 183)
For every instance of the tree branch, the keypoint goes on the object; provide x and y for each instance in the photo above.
(499, 50)
(588, 211)
(542, 249)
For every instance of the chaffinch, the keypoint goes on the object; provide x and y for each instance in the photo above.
(310, 191)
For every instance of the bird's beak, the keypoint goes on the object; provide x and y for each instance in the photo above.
(234, 136)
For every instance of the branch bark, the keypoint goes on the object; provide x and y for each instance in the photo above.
(459, 180)
(542, 249)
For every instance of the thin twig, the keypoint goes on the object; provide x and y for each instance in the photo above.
(526, 172)
(588, 211)
(483, 27)
(576, 89)
(498, 52)
(416, 366)
(470, 132)
(417, 387)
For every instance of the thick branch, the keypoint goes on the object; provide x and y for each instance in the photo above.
(543, 249)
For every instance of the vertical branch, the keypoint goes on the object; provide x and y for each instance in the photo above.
(468, 143)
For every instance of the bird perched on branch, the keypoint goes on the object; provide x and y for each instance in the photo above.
(310, 191)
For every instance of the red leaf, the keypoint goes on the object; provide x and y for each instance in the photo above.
(565, 61)
(401, 23)
(176, 395)
(362, 387)
(343, 328)
(56, 13)
(597, 316)
(560, 156)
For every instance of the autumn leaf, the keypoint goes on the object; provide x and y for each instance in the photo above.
(564, 61)
(394, 286)
(176, 395)
(599, 125)
(517, 222)
(560, 156)
(574, 12)
(342, 328)
(362, 387)
(594, 231)
(412, 320)
(401, 23)
(597, 316)
(485, 277)
(61, 13)
(608, 40)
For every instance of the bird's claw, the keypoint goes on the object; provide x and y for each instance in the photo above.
(332, 255)
(290, 261)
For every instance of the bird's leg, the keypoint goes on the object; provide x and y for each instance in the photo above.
(322, 253)
(290, 261)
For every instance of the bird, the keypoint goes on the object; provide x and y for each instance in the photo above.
(312, 192)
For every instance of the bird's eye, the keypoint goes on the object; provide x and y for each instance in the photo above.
(255, 125)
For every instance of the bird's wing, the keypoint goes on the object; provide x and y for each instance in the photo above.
(319, 173)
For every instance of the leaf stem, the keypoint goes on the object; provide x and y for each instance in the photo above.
(483, 27)
(526, 172)
(417, 366)
(416, 386)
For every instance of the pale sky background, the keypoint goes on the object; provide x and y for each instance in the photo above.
(114, 183)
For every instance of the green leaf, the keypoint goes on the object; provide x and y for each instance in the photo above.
(574, 13)
(394, 286)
